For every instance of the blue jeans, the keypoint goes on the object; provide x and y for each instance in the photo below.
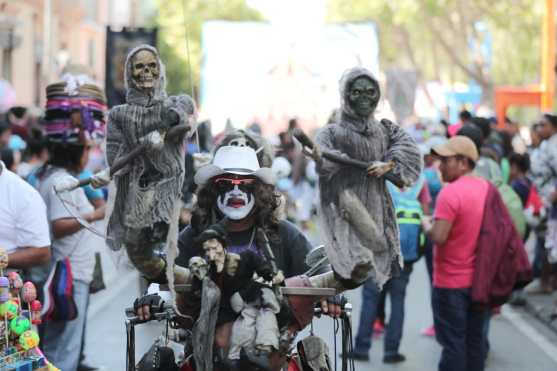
(396, 288)
(62, 339)
(459, 329)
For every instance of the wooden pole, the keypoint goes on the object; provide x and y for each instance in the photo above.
(548, 56)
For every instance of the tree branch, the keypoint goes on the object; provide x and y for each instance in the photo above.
(452, 54)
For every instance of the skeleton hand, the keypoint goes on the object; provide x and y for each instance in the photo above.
(100, 179)
(154, 140)
(316, 154)
(380, 168)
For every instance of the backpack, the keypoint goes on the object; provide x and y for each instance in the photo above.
(409, 215)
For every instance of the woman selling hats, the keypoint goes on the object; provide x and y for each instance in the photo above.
(75, 115)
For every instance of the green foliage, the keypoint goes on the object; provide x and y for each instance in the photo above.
(432, 36)
(175, 18)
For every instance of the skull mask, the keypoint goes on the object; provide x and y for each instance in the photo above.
(363, 96)
(145, 70)
(240, 141)
(198, 267)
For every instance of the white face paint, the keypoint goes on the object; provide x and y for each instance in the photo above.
(236, 204)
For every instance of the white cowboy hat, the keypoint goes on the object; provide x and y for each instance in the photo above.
(234, 160)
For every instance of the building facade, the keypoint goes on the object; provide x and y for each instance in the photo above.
(39, 38)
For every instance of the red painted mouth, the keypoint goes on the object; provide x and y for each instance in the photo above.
(236, 203)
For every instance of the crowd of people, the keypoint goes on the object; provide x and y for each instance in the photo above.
(439, 218)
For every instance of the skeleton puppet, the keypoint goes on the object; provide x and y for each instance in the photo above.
(356, 210)
(145, 201)
(256, 329)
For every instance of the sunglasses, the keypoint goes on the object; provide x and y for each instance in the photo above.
(228, 184)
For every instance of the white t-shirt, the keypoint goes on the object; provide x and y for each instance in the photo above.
(80, 246)
(23, 221)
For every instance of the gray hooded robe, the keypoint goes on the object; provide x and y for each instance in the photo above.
(367, 140)
(148, 189)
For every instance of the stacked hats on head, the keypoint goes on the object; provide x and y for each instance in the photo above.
(75, 111)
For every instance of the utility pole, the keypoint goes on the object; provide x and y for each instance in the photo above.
(47, 43)
(548, 57)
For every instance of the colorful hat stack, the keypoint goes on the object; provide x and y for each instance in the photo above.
(75, 111)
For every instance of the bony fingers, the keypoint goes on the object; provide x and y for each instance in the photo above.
(317, 153)
(316, 156)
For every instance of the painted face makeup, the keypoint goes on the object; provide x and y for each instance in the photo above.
(235, 199)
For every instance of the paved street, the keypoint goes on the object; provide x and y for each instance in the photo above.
(518, 341)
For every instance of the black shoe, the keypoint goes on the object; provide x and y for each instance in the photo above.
(357, 356)
(84, 367)
(394, 358)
